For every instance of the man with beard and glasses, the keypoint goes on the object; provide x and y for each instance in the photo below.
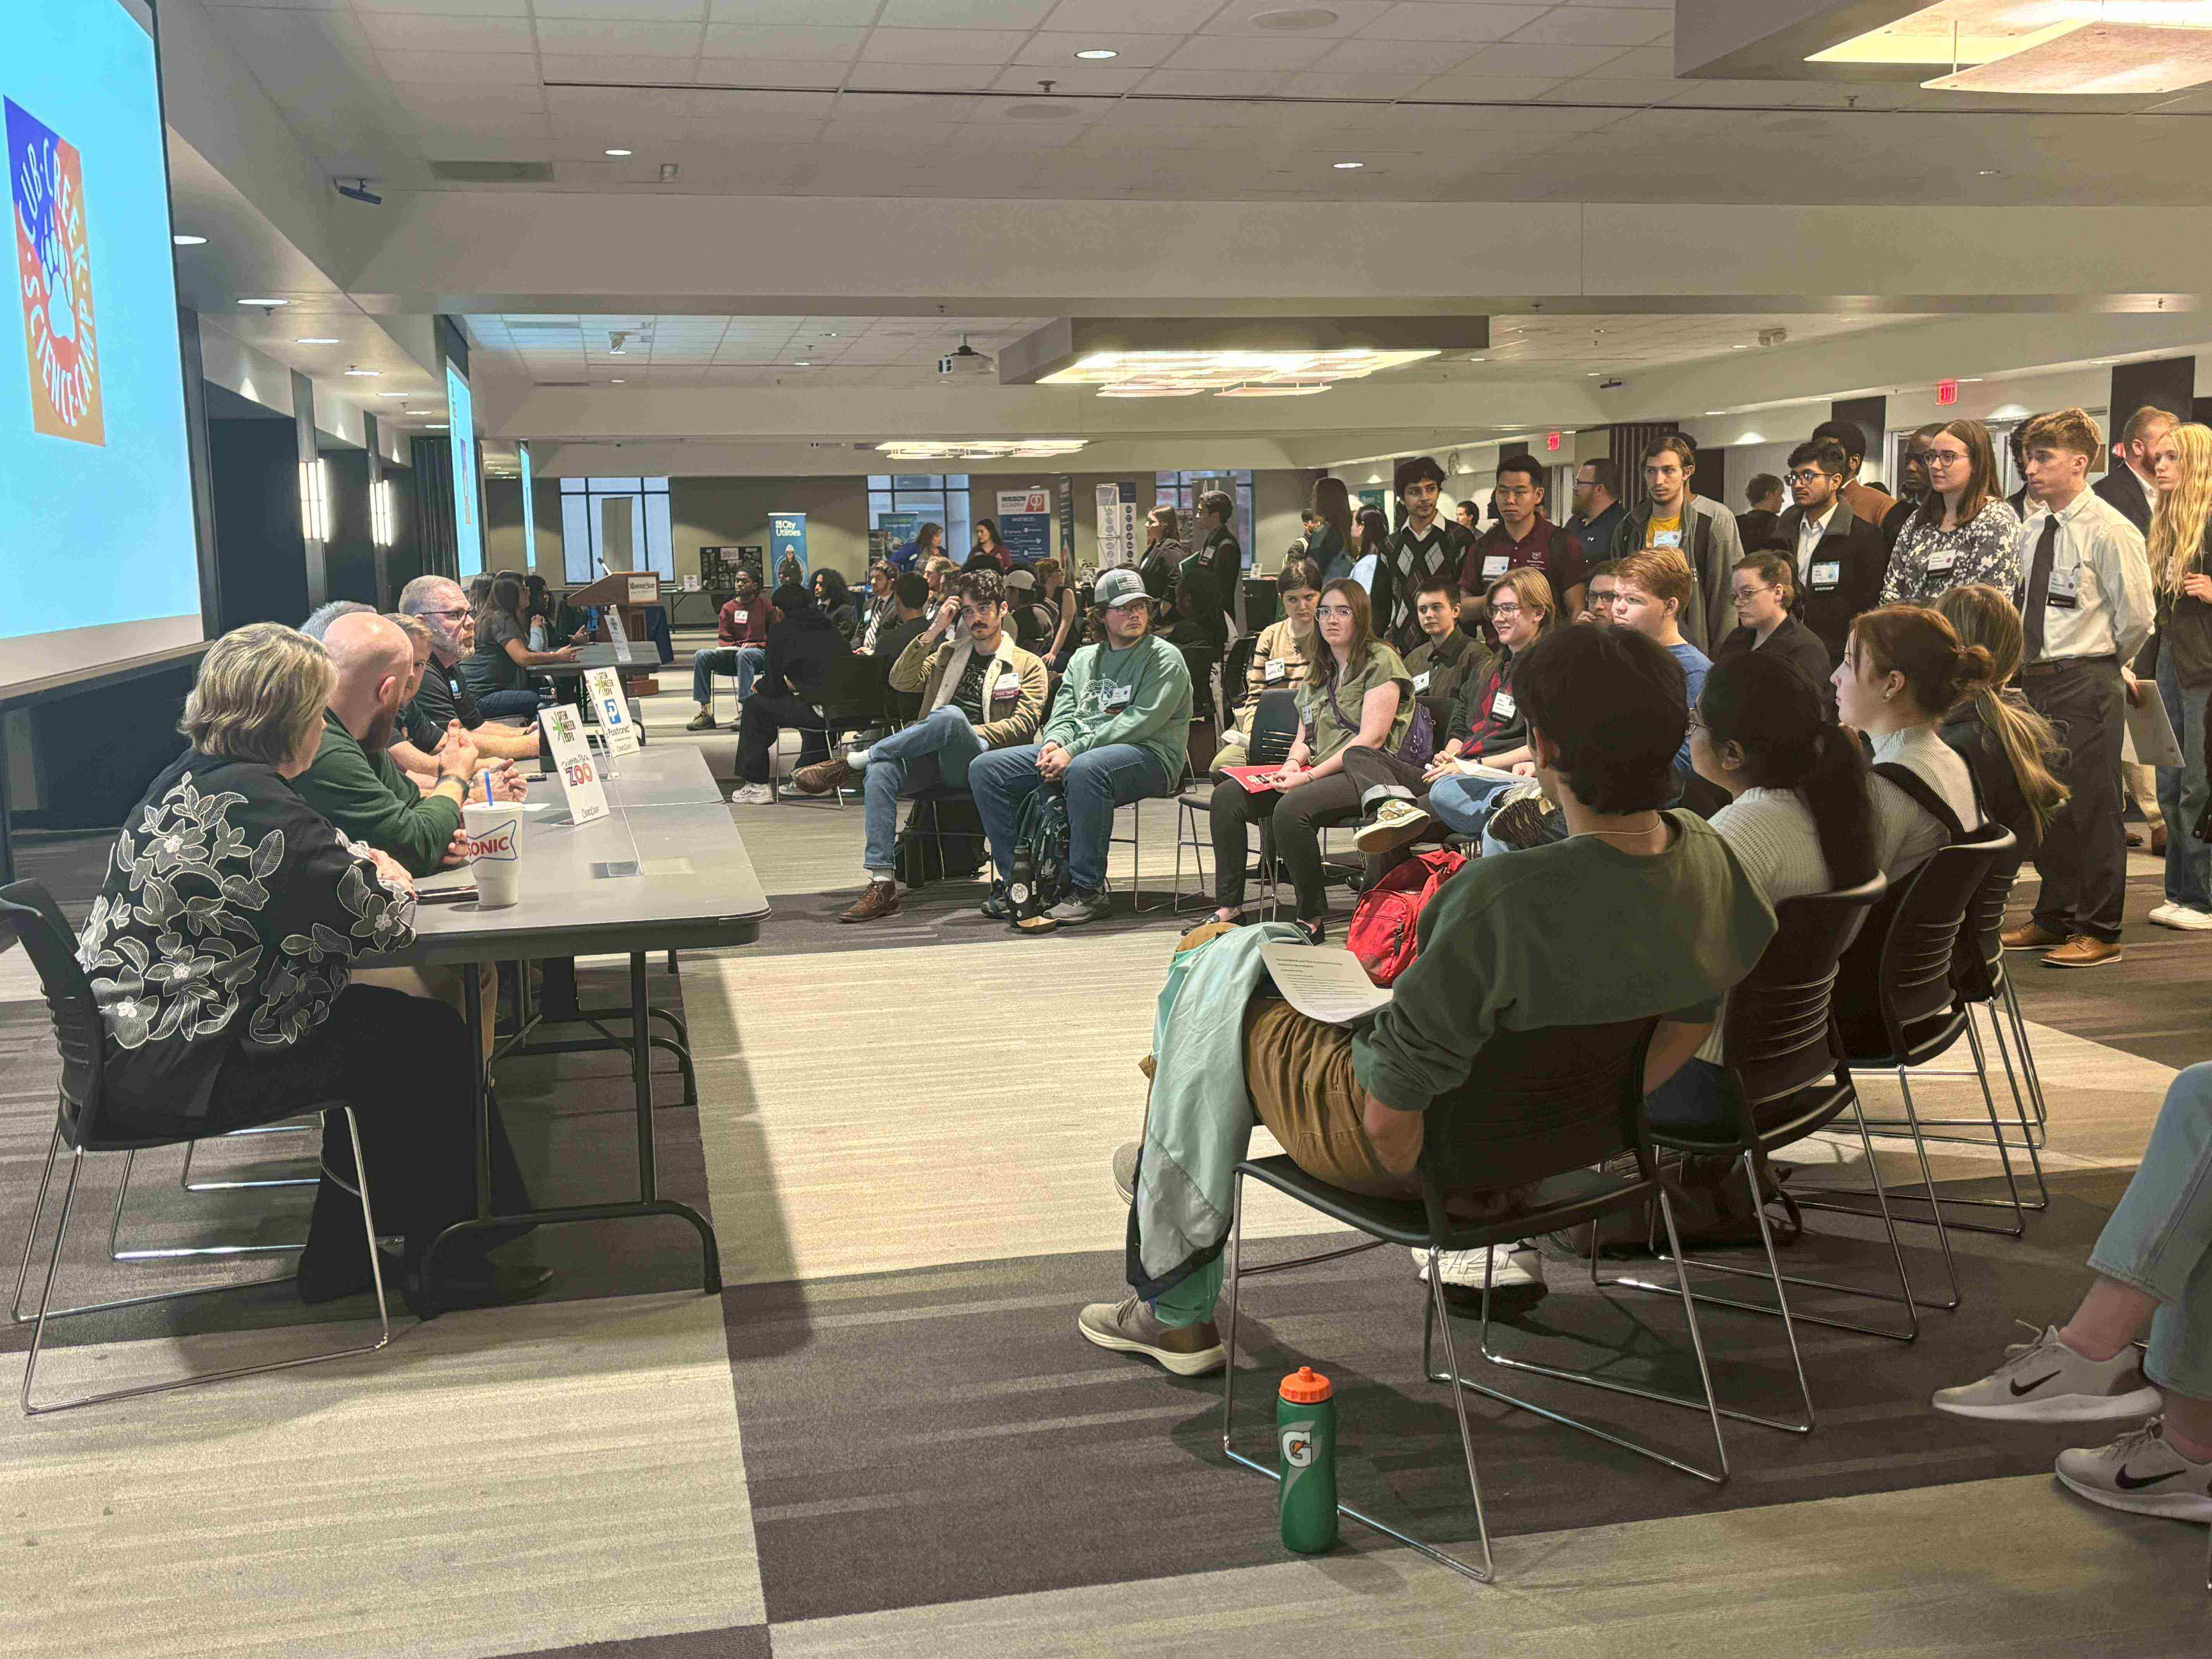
(354, 783)
(441, 605)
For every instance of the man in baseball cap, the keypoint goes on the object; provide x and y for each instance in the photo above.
(1119, 732)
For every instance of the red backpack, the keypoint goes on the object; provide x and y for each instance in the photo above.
(1382, 934)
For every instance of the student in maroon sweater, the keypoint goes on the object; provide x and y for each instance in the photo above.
(742, 631)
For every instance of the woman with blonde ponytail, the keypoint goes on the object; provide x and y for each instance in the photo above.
(2181, 466)
(2007, 746)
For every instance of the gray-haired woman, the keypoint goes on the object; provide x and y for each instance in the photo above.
(219, 952)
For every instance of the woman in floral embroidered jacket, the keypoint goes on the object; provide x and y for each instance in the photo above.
(219, 952)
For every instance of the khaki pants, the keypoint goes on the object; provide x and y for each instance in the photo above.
(441, 984)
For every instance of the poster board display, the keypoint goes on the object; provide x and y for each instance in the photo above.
(1117, 525)
(1025, 522)
(787, 538)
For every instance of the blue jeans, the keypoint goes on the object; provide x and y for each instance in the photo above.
(1464, 800)
(2159, 1237)
(1693, 1098)
(743, 660)
(933, 752)
(502, 705)
(2181, 792)
(1097, 780)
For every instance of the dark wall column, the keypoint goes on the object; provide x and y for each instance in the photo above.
(196, 434)
(254, 466)
(2166, 383)
(350, 555)
(1871, 416)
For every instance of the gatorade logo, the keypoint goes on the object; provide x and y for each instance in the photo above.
(1297, 1446)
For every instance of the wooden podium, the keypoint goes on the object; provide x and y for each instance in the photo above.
(627, 593)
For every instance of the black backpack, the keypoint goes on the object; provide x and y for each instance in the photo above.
(943, 840)
(1039, 878)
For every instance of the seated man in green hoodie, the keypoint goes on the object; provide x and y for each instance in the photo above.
(1119, 733)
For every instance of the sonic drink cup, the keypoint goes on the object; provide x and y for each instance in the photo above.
(494, 836)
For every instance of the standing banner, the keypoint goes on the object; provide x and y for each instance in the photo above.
(612, 707)
(1117, 525)
(898, 529)
(787, 537)
(1066, 519)
(580, 779)
(1377, 499)
(1025, 523)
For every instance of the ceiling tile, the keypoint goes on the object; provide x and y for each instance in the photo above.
(1352, 16)
(821, 45)
(623, 11)
(440, 100)
(830, 13)
(1595, 26)
(632, 40)
(1237, 52)
(414, 31)
(1140, 16)
(1075, 77)
(1393, 59)
(482, 68)
(1136, 51)
(1549, 63)
(893, 108)
(1425, 20)
(795, 106)
(613, 66)
(1658, 62)
(929, 77)
(942, 45)
(450, 8)
(1237, 84)
(772, 72)
(965, 14)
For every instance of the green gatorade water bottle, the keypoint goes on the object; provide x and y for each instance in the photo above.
(1306, 1436)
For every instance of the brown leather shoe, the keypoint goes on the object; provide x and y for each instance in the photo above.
(822, 777)
(2157, 840)
(881, 900)
(2082, 951)
(2028, 936)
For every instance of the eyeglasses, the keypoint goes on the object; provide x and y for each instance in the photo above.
(1746, 595)
(1806, 475)
(448, 615)
(1343, 612)
(1697, 722)
(1505, 610)
(1946, 458)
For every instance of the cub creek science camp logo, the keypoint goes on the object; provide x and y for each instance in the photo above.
(53, 259)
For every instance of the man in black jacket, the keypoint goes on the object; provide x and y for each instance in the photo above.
(800, 649)
(2127, 483)
(1839, 558)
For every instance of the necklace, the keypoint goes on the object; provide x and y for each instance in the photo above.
(1657, 823)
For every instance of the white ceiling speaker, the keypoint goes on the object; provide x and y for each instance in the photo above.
(1293, 17)
(965, 364)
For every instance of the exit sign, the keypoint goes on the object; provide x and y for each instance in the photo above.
(1552, 439)
(1947, 393)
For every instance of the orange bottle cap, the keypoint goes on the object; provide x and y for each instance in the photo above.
(1307, 1387)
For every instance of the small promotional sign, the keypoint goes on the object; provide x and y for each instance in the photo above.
(572, 758)
(617, 633)
(645, 590)
(612, 707)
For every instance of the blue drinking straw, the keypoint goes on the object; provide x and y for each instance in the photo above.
(487, 784)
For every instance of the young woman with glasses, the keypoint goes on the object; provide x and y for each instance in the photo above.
(1964, 531)
(1765, 587)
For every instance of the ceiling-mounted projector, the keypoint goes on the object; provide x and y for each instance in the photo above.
(966, 363)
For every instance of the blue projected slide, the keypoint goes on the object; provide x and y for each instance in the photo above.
(97, 542)
(468, 494)
(529, 512)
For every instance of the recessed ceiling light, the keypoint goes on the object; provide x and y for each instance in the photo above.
(1097, 54)
(618, 152)
(803, 363)
(1988, 173)
(1478, 360)
(395, 394)
(1348, 167)
(438, 426)
(265, 302)
(1716, 411)
(1592, 374)
(316, 339)
(618, 381)
(1290, 17)
(1740, 347)
(182, 241)
(364, 374)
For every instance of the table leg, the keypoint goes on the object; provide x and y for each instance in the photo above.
(641, 1075)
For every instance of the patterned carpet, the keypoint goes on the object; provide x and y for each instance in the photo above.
(886, 1436)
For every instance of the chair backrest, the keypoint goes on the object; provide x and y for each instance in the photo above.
(1275, 726)
(1915, 985)
(28, 913)
(1539, 1104)
(1978, 961)
(1777, 1034)
(853, 687)
(1236, 667)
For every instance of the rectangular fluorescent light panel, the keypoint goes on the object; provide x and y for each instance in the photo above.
(2083, 47)
(2098, 58)
(1181, 373)
(1015, 449)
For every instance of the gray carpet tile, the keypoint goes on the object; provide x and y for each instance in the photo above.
(744, 1642)
(944, 1434)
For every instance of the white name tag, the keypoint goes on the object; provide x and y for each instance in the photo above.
(2066, 587)
(1503, 708)
(1114, 698)
(1421, 681)
(1277, 670)
(1493, 565)
(738, 617)
(1828, 573)
(1006, 689)
(1668, 539)
(1942, 564)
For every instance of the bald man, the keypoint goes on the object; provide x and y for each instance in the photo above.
(355, 782)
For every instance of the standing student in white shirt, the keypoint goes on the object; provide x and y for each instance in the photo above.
(2085, 609)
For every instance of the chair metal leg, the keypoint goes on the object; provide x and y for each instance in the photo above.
(184, 1176)
(2027, 1053)
(1928, 1194)
(1927, 1183)
(1236, 1274)
(47, 1311)
(1707, 1404)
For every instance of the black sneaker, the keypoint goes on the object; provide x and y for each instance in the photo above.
(1079, 908)
(998, 907)
(701, 721)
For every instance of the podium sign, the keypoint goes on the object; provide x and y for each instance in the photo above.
(572, 758)
(645, 590)
(612, 707)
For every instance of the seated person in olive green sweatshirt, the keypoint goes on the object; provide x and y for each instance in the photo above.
(1119, 732)
(354, 782)
(1640, 912)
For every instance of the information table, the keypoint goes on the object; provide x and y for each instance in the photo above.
(664, 870)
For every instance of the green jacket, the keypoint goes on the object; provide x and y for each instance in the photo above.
(373, 801)
(1139, 696)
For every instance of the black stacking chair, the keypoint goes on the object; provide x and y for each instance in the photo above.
(1898, 1006)
(1785, 1079)
(1575, 1097)
(853, 693)
(28, 913)
(1275, 725)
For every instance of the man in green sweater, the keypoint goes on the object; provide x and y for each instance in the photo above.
(1119, 733)
(354, 782)
(1641, 913)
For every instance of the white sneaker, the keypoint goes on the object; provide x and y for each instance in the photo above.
(753, 794)
(2140, 1474)
(857, 759)
(2183, 918)
(2046, 1381)
(1516, 1276)
(2162, 913)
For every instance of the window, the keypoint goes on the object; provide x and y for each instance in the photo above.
(1181, 491)
(583, 521)
(932, 498)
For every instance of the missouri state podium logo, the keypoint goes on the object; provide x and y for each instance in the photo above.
(53, 257)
